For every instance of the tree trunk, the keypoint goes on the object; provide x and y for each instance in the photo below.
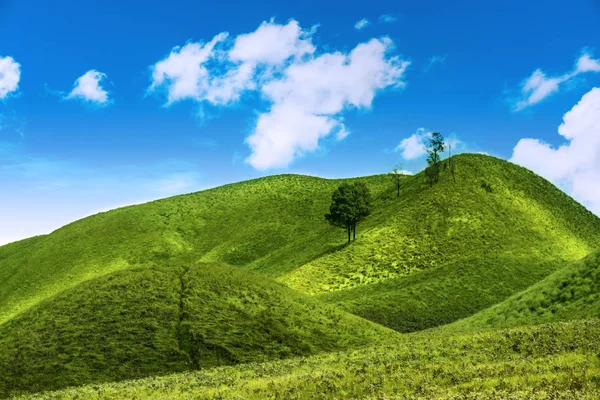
(354, 231)
(349, 228)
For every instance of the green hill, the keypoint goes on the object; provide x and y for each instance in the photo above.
(443, 253)
(418, 260)
(572, 292)
(154, 321)
(556, 361)
(144, 290)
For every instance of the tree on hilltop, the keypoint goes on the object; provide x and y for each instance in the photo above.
(435, 147)
(396, 174)
(350, 204)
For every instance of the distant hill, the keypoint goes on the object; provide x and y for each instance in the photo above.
(154, 321)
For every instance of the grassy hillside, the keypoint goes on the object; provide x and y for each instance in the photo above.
(418, 260)
(557, 361)
(454, 249)
(572, 292)
(270, 225)
(152, 321)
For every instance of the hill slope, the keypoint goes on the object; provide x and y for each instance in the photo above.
(418, 260)
(570, 293)
(454, 249)
(143, 322)
(557, 361)
(270, 225)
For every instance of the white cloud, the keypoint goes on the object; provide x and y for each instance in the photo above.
(272, 44)
(539, 86)
(184, 72)
(307, 93)
(386, 18)
(414, 146)
(587, 64)
(362, 24)
(308, 99)
(10, 75)
(574, 165)
(87, 87)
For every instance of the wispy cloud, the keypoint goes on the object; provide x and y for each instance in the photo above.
(10, 75)
(307, 93)
(540, 86)
(387, 18)
(435, 59)
(88, 88)
(361, 24)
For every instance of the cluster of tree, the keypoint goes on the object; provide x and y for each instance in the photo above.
(350, 204)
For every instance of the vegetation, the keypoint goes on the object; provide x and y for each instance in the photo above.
(350, 204)
(557, 361)
(396, 174)
(145, 290)
(570, 293)
(154, 321)
(435, 147)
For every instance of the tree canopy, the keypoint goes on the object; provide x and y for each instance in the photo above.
(350, 204)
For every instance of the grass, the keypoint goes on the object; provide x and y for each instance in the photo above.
(143, 322)
(556, 361)
(274, 226)
(144, 291)
(570, 293)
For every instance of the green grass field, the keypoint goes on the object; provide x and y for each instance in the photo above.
(229, 279)
(557, 361)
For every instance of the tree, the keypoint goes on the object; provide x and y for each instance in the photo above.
(435, 147)
(350, 204)
(396, 174)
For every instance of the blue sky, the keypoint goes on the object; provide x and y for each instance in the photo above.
(104, 104)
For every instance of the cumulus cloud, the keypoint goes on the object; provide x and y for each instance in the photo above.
(308, 99)
(307, 92)
(387, 18)
(575, 165)
(362, 24)
(10, 75)
(88, 88)
(413, 146)
(540, 86)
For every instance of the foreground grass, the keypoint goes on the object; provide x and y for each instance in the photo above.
(155, 321)
(538, 362)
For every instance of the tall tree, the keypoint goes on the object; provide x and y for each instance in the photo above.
(396, 174)
(435, 147)
(350, 204)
